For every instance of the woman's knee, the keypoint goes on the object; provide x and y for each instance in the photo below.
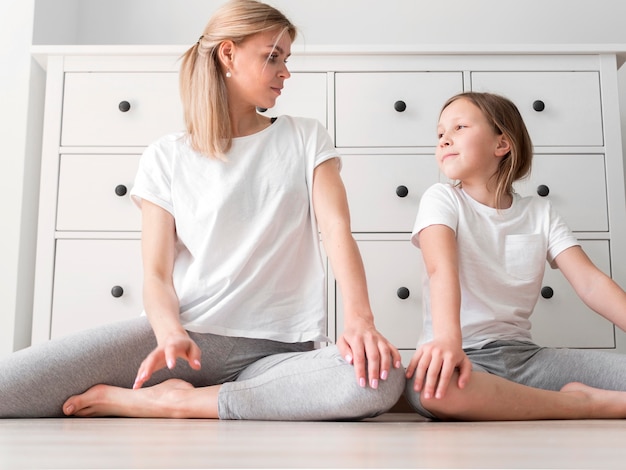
(395, 383)
(366, 401)
(354, 400)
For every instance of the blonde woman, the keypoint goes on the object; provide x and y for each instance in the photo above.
(234, 283)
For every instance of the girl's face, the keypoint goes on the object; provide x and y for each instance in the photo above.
(469, 149)
(258, 69)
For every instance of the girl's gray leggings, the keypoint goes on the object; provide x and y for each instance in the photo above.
(262, 379)
(540, 367)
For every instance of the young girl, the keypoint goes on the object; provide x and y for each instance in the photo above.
(484, 249)
(233, 276)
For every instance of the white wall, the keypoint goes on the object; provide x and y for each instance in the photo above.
(56, 22)
(20, 130)
(349, 21)
(321, 22)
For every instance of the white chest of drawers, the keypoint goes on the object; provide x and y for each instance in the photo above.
(105, 104)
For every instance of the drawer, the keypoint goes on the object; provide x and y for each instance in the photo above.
(304, 94)
(94, 193)
(576, 185)
(563, 320)
(85, 275)
(395, 109)
(384, 190)
(394, 271)
(568, 107)
(120, 109)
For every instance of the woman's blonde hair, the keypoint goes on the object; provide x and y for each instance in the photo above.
(202, 86)
(506, 120)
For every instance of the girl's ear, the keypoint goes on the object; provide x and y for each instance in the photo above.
(503, 147)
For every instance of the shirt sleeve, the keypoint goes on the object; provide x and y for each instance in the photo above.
(154, 177)
(437, 207)
(324, 148)
(561, 237)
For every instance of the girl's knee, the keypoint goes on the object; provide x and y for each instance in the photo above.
(432, 408)
(413, 398)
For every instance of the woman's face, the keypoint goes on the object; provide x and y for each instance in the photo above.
(258, 69)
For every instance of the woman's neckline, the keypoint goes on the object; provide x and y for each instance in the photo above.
(262, 131)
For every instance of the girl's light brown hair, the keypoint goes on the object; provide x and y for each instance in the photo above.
(202, 86)
(506, 120)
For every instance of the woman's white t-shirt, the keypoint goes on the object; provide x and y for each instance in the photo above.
(248, 260)
(502, 256)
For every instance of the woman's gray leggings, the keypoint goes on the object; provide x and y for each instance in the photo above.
(262, 379)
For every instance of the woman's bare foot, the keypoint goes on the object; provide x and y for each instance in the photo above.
(173, 398)
(604, 404)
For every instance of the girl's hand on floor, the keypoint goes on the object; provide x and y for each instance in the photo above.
(363, 346)
(175, 346)
(433, 366)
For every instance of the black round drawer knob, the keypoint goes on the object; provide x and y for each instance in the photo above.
(543, 190)
(261, 110)
(121, 190)
(124, 106)
(547, 292)
(539, 105)
(403, 293)
(399, 106)
(117, 291)
(402, 191)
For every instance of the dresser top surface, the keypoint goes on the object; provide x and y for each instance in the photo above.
(42, 52)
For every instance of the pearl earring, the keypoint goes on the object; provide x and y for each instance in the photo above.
(228, 74)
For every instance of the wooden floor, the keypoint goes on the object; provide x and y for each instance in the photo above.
(390, 441)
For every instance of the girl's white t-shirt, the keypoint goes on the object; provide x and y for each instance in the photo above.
(502, 256)
(248, 260)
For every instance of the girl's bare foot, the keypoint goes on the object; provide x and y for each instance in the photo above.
(604, 404)
(173, 398)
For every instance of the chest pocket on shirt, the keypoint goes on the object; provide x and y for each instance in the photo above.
(525, 256)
